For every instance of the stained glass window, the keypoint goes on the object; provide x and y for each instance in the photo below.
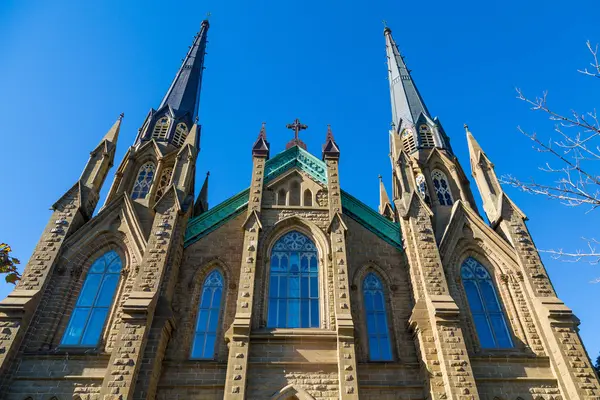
(377, 324)
(94, 302)
(489, 319)
(294, 283)
(442, 188)
(422, 188)
(208, 316)
(142, 185)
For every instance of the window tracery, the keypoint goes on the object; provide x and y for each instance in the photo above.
(94, 302)
(442, 187)
(426, 136)
(408, 141)
(293, 283)
(181, 132)
(209, 314)
(487, 313)
(161, 128)
(142, 184)
(377, 320)
(163, 182)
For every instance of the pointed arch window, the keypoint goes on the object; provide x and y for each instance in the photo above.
(161, 128)
(94, 302)
(426, 137)
(489, 319)
(294, 283)
(307, 198)
(377, 323)
(422, 187)
(181, 132)
(163, 182)
(408, 141)
(208, 316)
(142, 184)
(442, 188)
(281, 197)
(294, 193)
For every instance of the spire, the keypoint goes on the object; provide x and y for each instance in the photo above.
(201, 205)
(475, 150)
(113, 133)
(261, 146)
(385, 207)
(193, 138)
(330, 148)
(407, 104)
(183, 94)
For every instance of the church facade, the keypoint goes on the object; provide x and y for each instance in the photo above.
(292, 288)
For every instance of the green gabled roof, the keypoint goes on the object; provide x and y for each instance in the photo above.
(294, 157)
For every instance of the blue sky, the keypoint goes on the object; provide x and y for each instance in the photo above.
(69, 68)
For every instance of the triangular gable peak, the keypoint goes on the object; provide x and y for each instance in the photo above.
(294, 158)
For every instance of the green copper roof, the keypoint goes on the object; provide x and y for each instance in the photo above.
(294, 157)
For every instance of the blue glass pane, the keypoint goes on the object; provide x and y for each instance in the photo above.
(213, 321)
(369, 301)
(294, 262)
(76, 326)
(114, 267)
(282, 286)
(274, 286)
(314, 287)
(371, 323)
(272, 319)
(385, 352)
(441, 199)
(489, 296)
(378, 297)
(216, 301)
(283, 264)
(486, 339)
(374, 348)
(314, 313)
(209, 347)
(381, 324)
(94, 327)
(501, 331)
(473, 296)
(207, 293)
(198, 346)
(90, 290)
(313, 264)
(107, 292)
(202, 321)
(304, 287)
(294, 313)
(304, 313)
(274, 263)
(282, 314)
(98, 266)
(294, 290)
(304, 264)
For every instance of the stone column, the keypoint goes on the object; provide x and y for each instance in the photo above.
(348, 382)
(239, 332)
(434, 319)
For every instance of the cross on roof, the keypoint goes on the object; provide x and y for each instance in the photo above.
(297, 126)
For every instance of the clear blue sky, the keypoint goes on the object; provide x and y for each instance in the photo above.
(69, 68)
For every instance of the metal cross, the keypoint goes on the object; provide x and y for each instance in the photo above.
(297, 127)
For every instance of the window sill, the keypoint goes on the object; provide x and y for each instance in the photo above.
(300, 333)
(282, 207)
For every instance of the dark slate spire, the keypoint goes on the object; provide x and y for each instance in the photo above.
(407, 103)
(261, 146)
(201, 205)
(183, 95)
(330, 148)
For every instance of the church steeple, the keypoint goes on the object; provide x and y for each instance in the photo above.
(178, 110)
(410, 117)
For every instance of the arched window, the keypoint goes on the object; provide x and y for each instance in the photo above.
(488, 316)
(307, 198)
(163, 182)
(408, 141)
(442, 188)
(208, 316)
(294, 194)
(161, 128)
(141, 187)
(426, 137)
(94, 302)
(281, 197)
(181, 131)
(377, 324)
(294, 283)
(422, 187)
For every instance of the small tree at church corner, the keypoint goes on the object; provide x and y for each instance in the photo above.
(9, 264)
(573, 152)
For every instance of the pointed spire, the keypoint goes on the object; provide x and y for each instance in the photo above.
(183, 94)
(385, 206)
(475, 150)
(201, 205)
(261, 146)
(330, 148)
(113, 133)
(407, 103)
(193, 138)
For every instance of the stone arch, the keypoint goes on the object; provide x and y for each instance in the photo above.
(195, 285)
(281, 227)
(291, 392)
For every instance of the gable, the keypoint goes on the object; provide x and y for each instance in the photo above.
(294, 157)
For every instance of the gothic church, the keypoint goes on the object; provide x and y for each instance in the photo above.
(292, 288)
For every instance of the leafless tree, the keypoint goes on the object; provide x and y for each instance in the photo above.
(575, 152)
